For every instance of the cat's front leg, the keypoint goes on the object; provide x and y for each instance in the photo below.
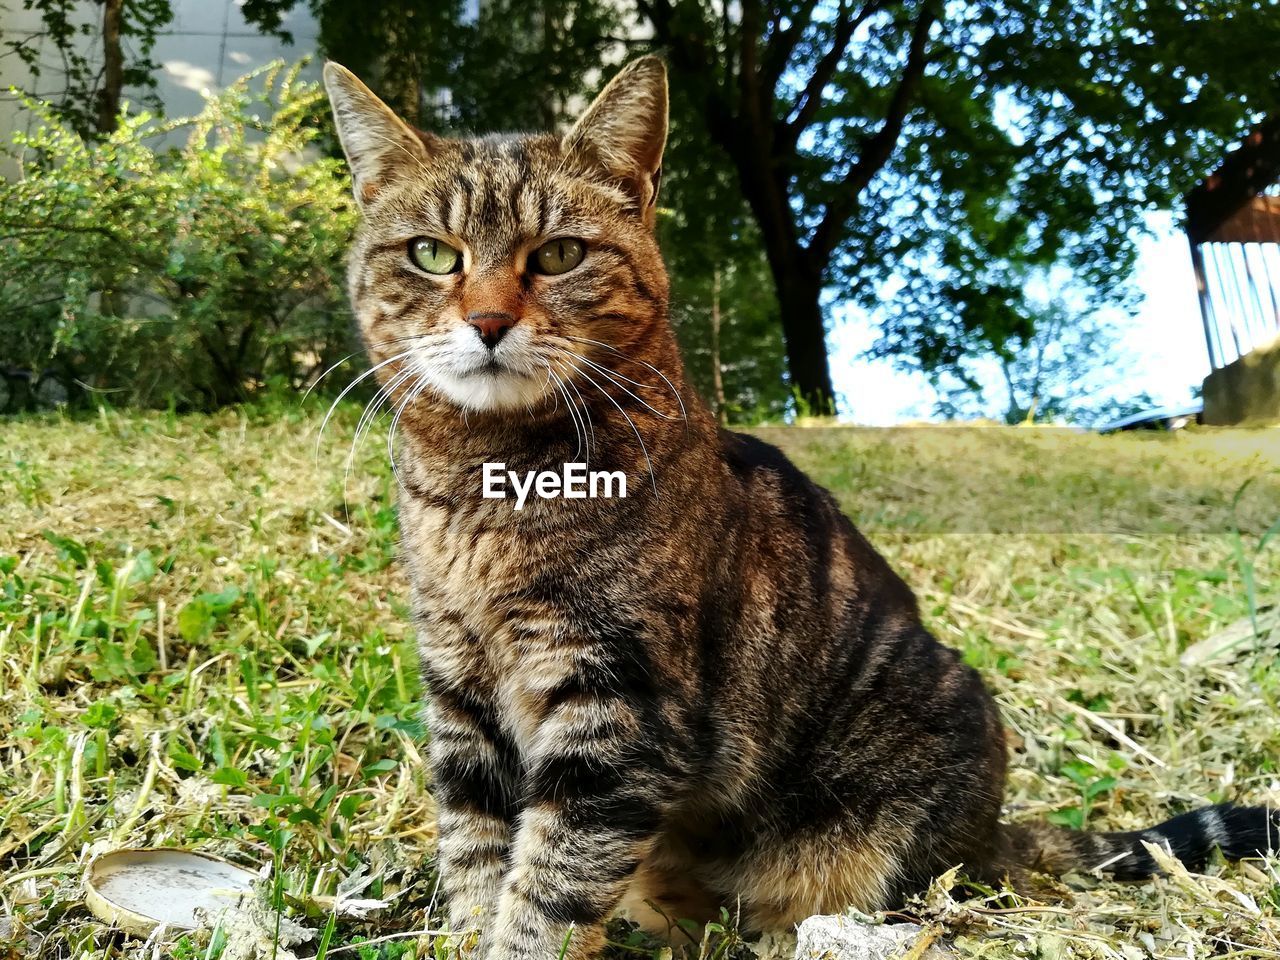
(474, 780)
(595, 796)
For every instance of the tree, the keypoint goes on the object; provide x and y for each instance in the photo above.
(916, 143)
(722, 307)
(914, 157)
(727, 327)
(1053, 374)
(406, 50)
(189, 275)
(529, 64)
(92, 80)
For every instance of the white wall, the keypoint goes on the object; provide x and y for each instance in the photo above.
(207, 45)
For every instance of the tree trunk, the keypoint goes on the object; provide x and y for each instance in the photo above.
(804, 330)
(112, 67)
(717, 378)
(741, 114)
(796, 278)
(805, 334)
(1014, 412)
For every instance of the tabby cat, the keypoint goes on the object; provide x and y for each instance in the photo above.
(710, 692)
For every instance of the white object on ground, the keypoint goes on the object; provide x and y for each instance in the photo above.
(137, 889)
(848, 938)
(1243, 637)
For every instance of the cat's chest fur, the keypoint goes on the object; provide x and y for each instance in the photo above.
(485, 625)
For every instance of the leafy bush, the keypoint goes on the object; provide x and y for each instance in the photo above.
(190, 275)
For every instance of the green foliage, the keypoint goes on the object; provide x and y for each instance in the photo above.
(526, 65)
(188, 275)
(72, 31)
(750, 351)
(917, 158)
(716, 261)
(512, 65)
(1092, 786)
(1044, 133)
(404, 50)
(1052, 372)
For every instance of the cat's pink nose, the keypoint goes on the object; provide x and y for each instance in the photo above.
(492, 325)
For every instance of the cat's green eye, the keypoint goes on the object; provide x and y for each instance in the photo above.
(434, 256)
(557, 256)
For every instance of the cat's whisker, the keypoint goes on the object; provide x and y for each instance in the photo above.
(560, 393)
(370, 411)
(615, 378)
(634, 429)
(583, 453)
(529, 403)
(586, 414)
(573, 412)
(382, 343)
(415, 391)
(367, 419)
(615, 373)
(315, 383)
(351, 386)
(674, 392)
(374, 409)
(554, 396)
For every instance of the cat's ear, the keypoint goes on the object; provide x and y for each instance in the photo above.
(624, 131)
(380, 147)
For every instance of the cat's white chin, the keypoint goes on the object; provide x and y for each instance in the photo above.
(476, 379)
(489, 390)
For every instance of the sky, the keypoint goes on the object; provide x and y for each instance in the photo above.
(1163, 344)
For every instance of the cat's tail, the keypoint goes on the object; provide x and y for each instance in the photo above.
(1239, 832)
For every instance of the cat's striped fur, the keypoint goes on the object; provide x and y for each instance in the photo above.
(718, 694)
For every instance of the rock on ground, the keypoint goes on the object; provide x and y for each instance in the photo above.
(847, 938)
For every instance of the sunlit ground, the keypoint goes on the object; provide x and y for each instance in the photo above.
(204, 643)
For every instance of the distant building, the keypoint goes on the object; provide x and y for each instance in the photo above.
(207, 46)
(1233, 224)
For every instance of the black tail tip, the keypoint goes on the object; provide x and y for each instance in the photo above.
(1239, 832)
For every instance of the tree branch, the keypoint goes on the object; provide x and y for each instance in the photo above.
(783, 43)
(748, 75)
(879, 147)
(726, 41)
(810, 99)
(688, 54)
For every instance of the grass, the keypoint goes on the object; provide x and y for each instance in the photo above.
(204, 642)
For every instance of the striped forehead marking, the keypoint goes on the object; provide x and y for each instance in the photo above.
(497, 197)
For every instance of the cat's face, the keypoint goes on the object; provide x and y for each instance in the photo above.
(494, 272)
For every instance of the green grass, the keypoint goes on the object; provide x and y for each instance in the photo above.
(204, 643)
